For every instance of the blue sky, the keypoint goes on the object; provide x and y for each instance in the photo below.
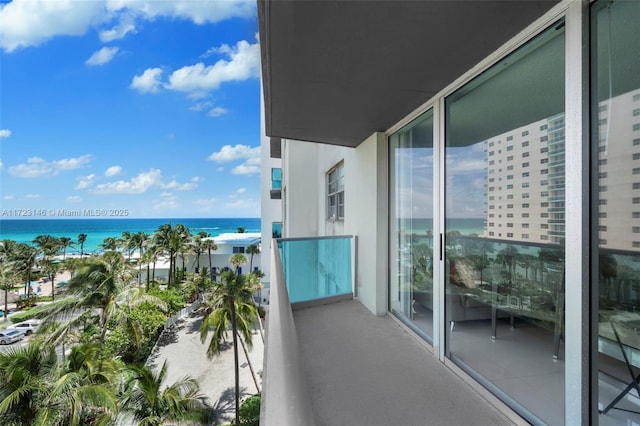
(152, 107)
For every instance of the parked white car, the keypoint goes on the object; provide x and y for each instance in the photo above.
(10, 336)
(28, 327)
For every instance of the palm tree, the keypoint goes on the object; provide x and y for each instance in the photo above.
(198, 246)
(252, 249)
(237, 260)
(25, 376)
(210, 245)
(140, 240)
(172, 239)
(25, 259)
(241, 230)
(64, 243)
(110, 244)
(8, 274)
(101, 289)
(82, 238)
(84, 391)
(231, 306)
(150, 402)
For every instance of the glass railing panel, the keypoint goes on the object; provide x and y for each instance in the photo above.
(317, 268)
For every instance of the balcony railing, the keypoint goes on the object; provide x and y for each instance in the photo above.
(303, 270)
(316, 268)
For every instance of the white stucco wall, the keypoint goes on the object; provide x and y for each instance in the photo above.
(366, 216)
(366, 209)
(270, 210)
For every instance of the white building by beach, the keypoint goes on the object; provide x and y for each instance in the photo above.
(228, 244)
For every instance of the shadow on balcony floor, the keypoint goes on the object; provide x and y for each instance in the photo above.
(366, 370)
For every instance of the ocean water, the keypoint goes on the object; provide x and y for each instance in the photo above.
(25, 230)
(464, 226)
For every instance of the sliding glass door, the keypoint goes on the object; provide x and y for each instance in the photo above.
(616, 169)
(504, 227)
(411, 233)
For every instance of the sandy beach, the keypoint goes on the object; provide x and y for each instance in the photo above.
(44, 288)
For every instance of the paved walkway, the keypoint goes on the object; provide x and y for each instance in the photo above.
(180, 346)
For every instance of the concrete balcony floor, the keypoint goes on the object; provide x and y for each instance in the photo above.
(364, 369)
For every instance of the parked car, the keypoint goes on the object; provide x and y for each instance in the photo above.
(9, 312)
(10, 336)
(28, 327)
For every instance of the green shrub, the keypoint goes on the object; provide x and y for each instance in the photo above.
(250, 411)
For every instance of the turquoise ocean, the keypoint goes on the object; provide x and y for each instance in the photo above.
(25, 230)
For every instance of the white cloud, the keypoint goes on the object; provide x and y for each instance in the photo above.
(9, 197)
(200, 12)
(220, 169)
(102, 56)
(192, 184)
(217, 112)
(242, 204)
(142, 183)
(38, 167)
(74, 199)
(231, 153)
(245, 169)
(167, 201)
(5, 133)
(85, 182)
(32, 196)
(241, 190)
(249, 167)
(113, 171)
(243, 64)
(32, 22)
(201, 106)
(124, 27)
(148, 81)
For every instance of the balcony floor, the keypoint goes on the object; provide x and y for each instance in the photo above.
(364, 369)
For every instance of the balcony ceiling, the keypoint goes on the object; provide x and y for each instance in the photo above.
(337, 71)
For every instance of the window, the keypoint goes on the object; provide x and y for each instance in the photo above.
(509, 158)
(525, 236)
(335, 193)
(635, 200)
(510, 186)
(276, 178)
(276, 229)
(635, 185)
(544, 150)
(636, 142)
(525, 205)
(543, 127)
(510, 148)
(525, 215)
(525, 143)
(636, 229)
(510, 138)
(238, 250)
(636, 171)
(635, 215)
(636, 127)
(525, 174)
(525, 133)
(509, 234)
(525, 184)
(544, 160)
